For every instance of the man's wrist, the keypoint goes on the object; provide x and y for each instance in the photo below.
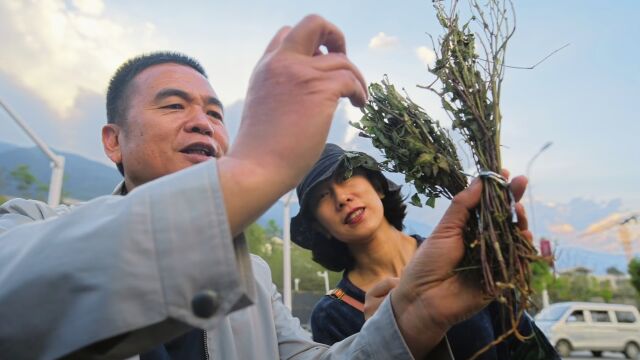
(419, 328)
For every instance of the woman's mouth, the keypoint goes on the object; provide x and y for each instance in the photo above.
(354, 216)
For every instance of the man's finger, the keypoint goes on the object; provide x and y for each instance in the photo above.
(467, 199)
(523, 222)
(337, 61)
(312, 32)
(348, 85)
(518, 186)
(277, 39)
(505, 174)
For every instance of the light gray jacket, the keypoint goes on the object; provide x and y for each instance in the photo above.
(116, 276)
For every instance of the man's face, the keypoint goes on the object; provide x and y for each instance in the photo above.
(174, 120)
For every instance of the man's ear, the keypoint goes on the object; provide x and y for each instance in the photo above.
(111, 142)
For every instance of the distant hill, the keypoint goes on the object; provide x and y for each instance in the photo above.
(84, 178)
(4, 147)
(598, 262)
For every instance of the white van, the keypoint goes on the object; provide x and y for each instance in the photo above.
(592, 326)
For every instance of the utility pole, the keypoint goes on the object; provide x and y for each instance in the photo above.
(286, 250)
(57, 161)
(542, 149)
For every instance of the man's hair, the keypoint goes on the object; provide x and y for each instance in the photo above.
(334, 254)
(119, 91)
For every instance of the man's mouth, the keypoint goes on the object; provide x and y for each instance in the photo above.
(200, 149)
(354, 216)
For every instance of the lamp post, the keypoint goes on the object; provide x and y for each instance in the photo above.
(542, 149)
(286, 250)
(325, 276)
(545, 293)
(57, 161)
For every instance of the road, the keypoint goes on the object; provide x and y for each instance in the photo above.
(583, 355)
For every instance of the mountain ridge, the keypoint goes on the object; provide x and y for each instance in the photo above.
(87, 179)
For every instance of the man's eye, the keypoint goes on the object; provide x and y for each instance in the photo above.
(174, 107)
(214, 114)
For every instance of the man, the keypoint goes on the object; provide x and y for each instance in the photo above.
(136, 274)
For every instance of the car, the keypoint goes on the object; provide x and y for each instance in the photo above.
(595, 327)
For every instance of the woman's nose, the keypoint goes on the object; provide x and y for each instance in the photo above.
(342, 198)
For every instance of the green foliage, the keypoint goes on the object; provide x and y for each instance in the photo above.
(266, 244)
(23, 177)
(577, 286)
(3, 178)
(634, 272)
(3, 199)
(541, 275)
(612, 270)
(413, 144)
(26, 182)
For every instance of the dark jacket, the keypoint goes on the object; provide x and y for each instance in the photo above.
(333, 320)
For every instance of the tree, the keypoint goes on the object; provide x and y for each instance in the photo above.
(612, 270)
(273, 229)
(3, 174)
(634, 272)
(24, 179)
(264, 243)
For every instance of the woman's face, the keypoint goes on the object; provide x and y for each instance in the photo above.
(350, 210)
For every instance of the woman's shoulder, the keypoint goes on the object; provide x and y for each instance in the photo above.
(329, 306)
(333, 320)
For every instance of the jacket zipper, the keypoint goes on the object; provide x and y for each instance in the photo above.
(206, 347)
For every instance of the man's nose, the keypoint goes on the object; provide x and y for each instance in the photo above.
(200, 123)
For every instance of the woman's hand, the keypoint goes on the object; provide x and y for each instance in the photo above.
(374, 297)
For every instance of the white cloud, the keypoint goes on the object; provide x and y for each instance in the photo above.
(353, 114)
(426, 55)
(561, 228)
(89, 7)
(69, 49)
(383, 41)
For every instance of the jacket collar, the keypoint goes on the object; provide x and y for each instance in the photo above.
(120, 189)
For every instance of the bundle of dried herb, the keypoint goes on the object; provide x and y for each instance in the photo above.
(468, 86)
(413, 144)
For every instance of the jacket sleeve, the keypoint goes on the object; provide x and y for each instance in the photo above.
(118, 273)
(379, 338)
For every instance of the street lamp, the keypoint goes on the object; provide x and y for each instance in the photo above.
(57, 161)
(286, 249)
(324, 275)
(542, 149)
(545, 293)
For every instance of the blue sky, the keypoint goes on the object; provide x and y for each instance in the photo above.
(58, 55)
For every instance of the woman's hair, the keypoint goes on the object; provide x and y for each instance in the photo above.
(334, 254)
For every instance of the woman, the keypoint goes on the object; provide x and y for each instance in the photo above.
(351, 218)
